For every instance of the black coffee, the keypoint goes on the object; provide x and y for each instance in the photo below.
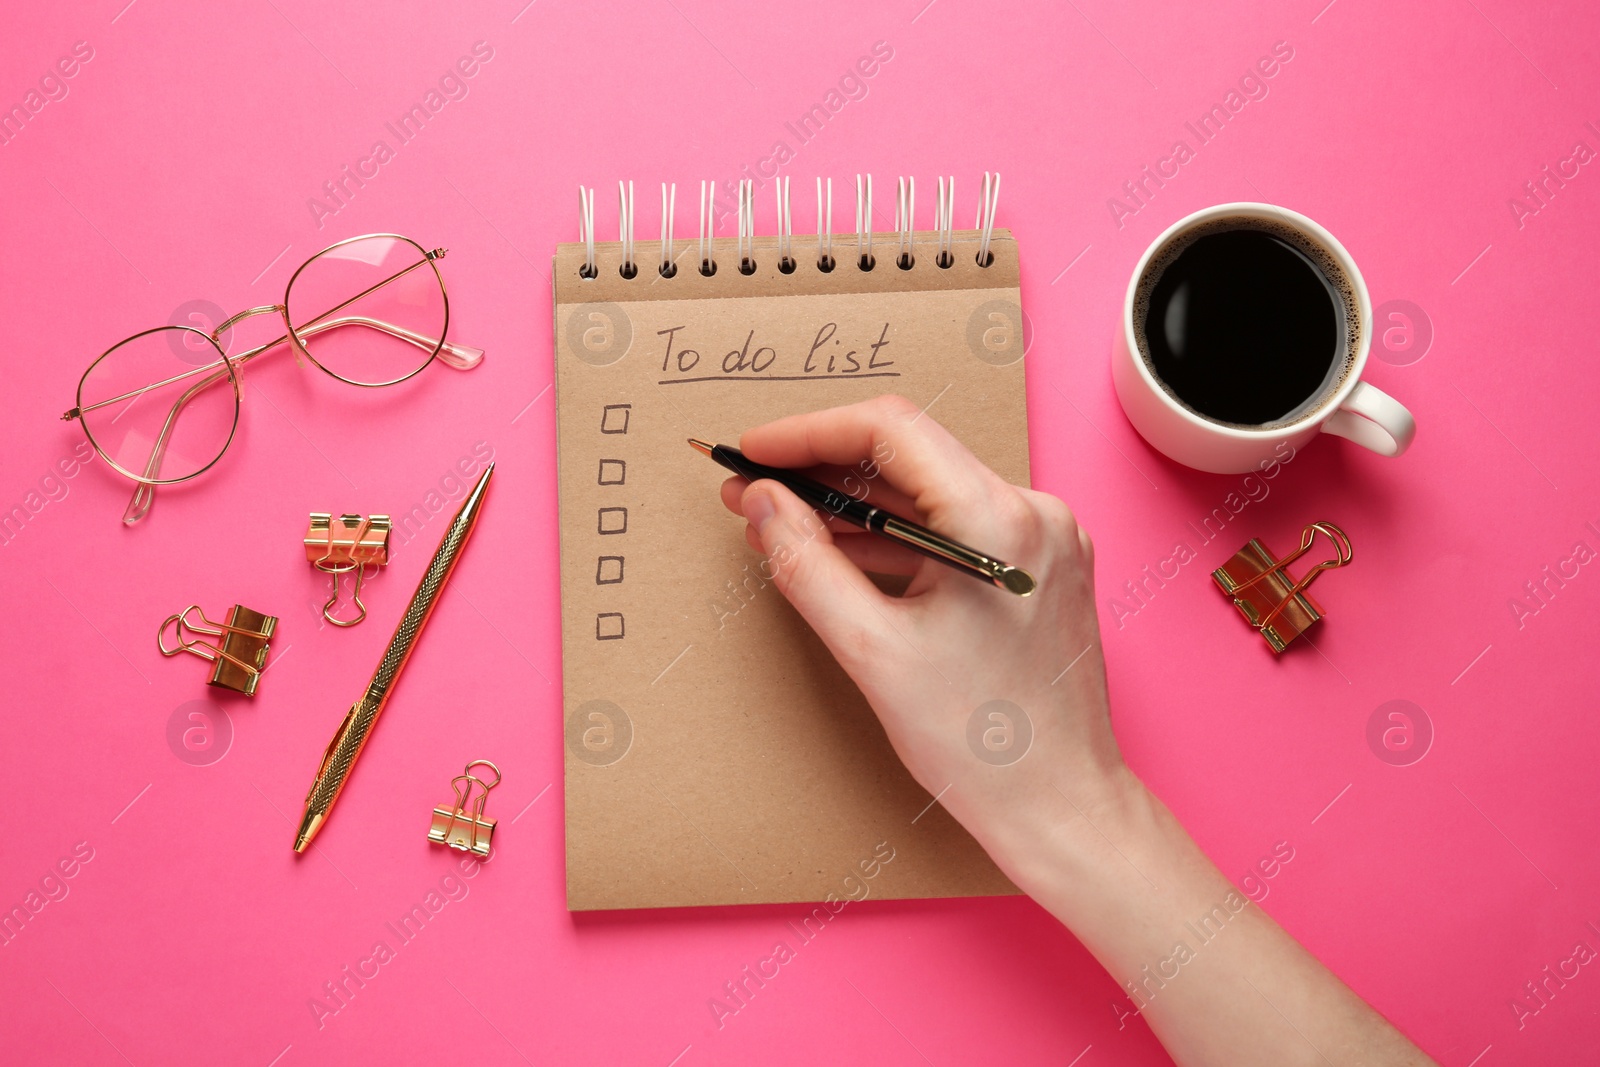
(1243, 325)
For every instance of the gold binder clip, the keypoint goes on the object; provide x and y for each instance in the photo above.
(1267, 595)
(469, 831)
(340, 544)
(239, 657)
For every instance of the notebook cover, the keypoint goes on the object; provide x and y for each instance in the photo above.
(715, 752)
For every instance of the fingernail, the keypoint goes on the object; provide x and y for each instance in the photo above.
(758, 509)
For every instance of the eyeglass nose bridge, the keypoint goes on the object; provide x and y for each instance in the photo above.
(229, 323)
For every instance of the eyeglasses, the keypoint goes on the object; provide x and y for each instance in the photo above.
(371, 311)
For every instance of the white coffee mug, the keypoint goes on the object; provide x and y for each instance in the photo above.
(1361, 412)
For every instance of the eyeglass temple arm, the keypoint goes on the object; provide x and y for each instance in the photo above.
(144, 494)
(462, 357)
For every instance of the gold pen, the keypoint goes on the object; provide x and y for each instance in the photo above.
(363, 715)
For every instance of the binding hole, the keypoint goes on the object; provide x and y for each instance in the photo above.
(945, 260)
(905, 262)
(669, 270)
(588, 273)
(986, 260)
(629, 271)
(867, 261)
(786, 265)
(747, 266)
(708, 267)
(826, 264)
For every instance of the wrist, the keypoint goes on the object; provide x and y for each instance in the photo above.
(1072, 848)
(1108, 858)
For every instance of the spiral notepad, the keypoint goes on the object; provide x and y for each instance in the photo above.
(715, 752)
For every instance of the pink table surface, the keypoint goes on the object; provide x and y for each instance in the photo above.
(179, 163)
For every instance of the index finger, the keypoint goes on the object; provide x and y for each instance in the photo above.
(915, 454)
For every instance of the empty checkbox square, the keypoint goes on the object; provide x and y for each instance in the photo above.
(614, 418)
(608, 570)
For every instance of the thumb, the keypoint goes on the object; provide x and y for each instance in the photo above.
(828, 590)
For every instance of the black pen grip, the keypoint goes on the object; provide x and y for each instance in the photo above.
(834, 502)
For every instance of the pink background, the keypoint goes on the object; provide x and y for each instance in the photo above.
(179, 167)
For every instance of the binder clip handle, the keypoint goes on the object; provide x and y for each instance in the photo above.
(240, 654)
(178, 622)
(194, 645)
(1343, 554)
(458, 828)
(463, 784)
(347, 543)
(482, 763)
(355, 594)
(1341, 544)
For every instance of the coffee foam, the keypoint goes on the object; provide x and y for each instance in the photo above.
(1327, 265)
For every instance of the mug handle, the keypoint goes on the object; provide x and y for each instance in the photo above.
(1373, 419)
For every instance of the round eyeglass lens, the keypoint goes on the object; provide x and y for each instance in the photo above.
(162, 405)
(370, 311)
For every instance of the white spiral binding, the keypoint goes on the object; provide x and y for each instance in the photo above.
(944, 216)
(669, 205)
(785, 227)
(905, 210)
(904, 221)
(625, 226)
(825, 261)
(988, 200)
(586, 230)
(747, 226)
(708, 224)
(864, 223)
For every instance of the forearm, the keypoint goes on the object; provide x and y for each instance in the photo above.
(1214, 976)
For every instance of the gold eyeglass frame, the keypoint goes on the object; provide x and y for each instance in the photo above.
(462, 357)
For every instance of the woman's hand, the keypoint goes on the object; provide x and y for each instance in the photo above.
(934, 660)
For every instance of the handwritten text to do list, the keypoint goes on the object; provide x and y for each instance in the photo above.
(832, 353)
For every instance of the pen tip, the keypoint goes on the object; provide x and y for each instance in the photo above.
(700, 446)
(309, 825)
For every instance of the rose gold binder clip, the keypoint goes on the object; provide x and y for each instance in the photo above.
(1268, 596)
(239, 657)
(460, 828)
(338, 545)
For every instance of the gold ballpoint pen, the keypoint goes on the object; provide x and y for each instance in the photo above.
(363, 715)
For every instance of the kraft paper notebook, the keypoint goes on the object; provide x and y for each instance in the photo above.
(715, 752)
